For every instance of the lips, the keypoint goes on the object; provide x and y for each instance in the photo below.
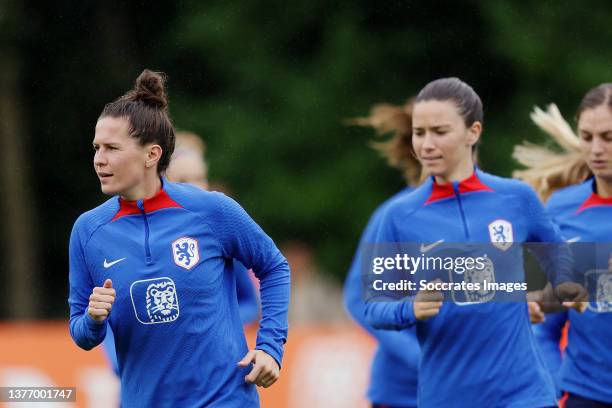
(599, 164)
(103, 175)
(430, 159)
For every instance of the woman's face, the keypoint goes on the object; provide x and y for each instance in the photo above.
(595, 131)
(441, 141)
(119, 160)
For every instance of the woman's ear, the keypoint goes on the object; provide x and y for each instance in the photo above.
(154, 154)
(474, 132)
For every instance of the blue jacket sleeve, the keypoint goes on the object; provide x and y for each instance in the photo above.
(553, 254)
(247, 298)
(394, 343)
(548, 336)
(380, 312)
(85, 331)
(243, 239)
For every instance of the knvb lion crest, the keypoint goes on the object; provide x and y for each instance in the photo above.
(482, 277)
(500, 232)
(603, 296)
(155, 300)
(186, 252)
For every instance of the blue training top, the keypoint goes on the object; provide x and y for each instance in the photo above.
(586, 370)
(472, 355)
(248, 306)
(393, 375)
(175, 319)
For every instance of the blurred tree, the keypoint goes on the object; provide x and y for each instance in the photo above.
(19, 262)
(268, 84)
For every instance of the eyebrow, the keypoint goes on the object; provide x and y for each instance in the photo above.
(604, 133)
(433, 127)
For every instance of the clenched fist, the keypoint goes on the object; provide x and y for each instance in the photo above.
(101, 301)
(427, 303)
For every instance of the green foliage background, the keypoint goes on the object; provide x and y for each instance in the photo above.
(267, 84)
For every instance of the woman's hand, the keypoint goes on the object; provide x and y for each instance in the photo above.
(265, 370)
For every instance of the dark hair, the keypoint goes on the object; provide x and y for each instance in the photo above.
(453, 89)
(600, 95)
(386, 118)
(146, 109)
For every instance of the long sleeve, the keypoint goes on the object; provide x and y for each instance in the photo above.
(398, 344)
(247, 297)
(243, 239)
(86, 332)
(380, 311)
(552, 252)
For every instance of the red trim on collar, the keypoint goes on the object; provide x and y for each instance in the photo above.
(594, 200)
(469, 185)
(159, 201)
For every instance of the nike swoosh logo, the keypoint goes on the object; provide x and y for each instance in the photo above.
(425, 248)
(575, 239)
(109, 264)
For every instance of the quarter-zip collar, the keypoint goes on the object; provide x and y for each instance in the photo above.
(160, 200)
(594, 200)
(441, 191)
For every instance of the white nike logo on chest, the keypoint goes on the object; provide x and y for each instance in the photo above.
(109, 264)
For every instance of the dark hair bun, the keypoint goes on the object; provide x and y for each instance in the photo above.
(149, 89)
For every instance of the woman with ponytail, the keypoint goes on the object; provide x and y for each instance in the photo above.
(393, 375)
(476, 350)
(580, 180)
(154, 263)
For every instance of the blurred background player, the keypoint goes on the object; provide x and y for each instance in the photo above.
(188, 165)
(580, 180)
(393, 375)
(472, 354)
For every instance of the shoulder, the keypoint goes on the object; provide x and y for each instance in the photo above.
(214, 208)
(194, 198)
(570, 197)
(512, 189)
(505, 185)
(406, 202)
(88, 222)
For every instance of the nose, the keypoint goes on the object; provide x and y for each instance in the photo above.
(428, 142)
(99, 159)
(597, 146)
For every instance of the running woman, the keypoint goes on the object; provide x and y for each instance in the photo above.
(480, 354)
(188, 165)
(155, 263)
(393, 375)
(583, 210)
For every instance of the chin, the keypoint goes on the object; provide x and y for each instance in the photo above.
(434, 171)
(108, 190)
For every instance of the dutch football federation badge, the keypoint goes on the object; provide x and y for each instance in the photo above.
(603, 291)
(500, 232)
(155, 300)
(482, 278)
(186, 252)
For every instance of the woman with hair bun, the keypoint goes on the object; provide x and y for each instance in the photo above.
(579, 183)
(154, 263)
(480, 352)
(393, 375)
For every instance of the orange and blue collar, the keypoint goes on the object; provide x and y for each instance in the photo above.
(159, 201)
(594, 200)
(469, 185)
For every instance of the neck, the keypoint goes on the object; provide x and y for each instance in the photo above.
(461, 172)
(147, 189)
(604, 187)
